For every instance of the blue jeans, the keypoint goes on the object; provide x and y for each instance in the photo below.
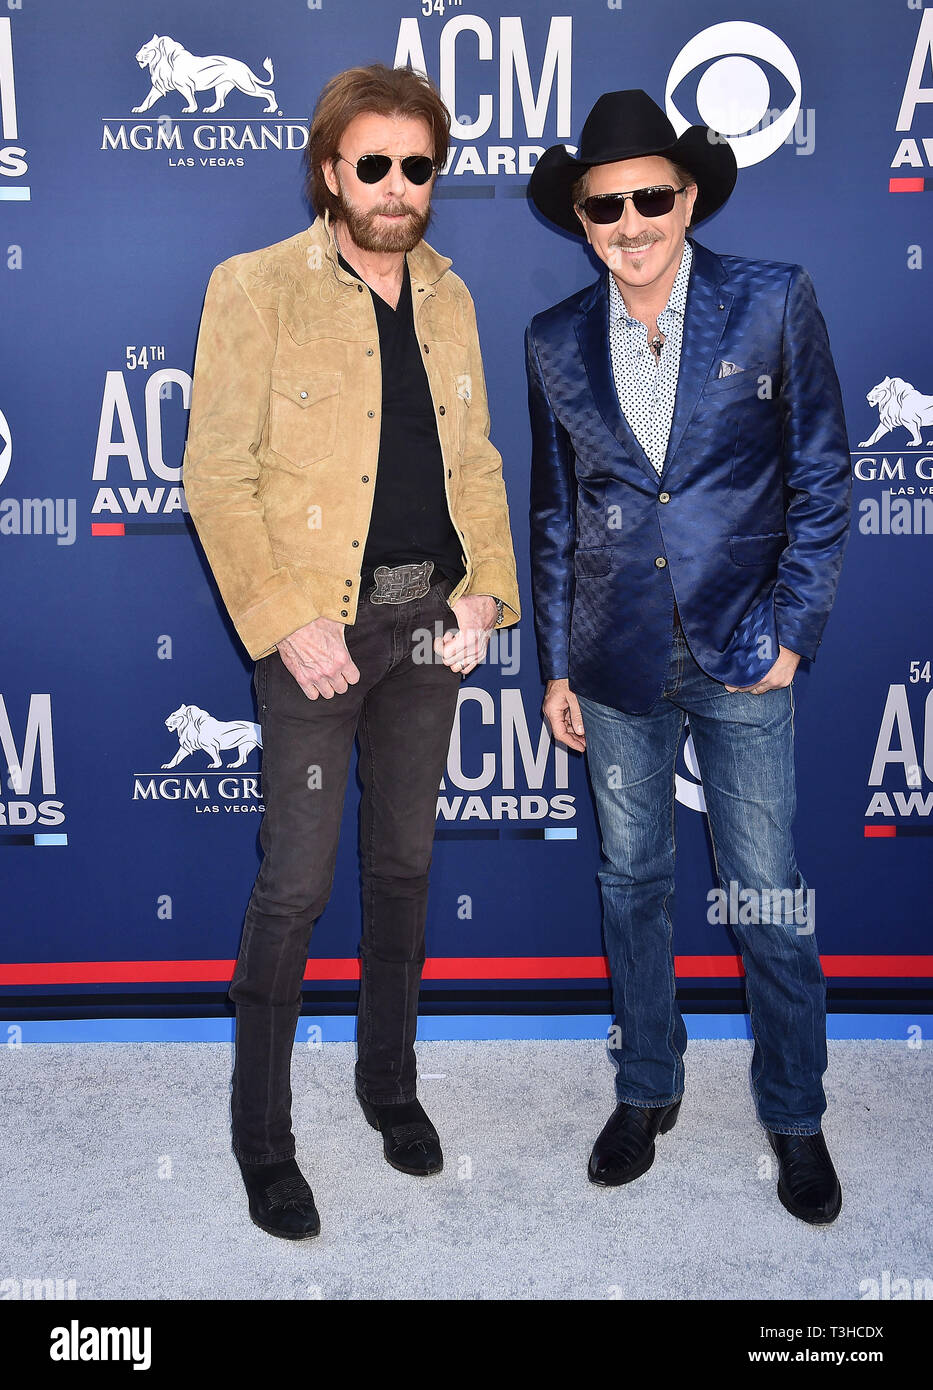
(744, 751)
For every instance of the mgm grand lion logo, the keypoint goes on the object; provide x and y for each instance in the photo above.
(899, 404)
(197, 730)
(173, 68)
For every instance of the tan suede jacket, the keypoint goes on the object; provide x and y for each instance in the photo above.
(283, 434)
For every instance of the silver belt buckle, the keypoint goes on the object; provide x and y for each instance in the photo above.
(402, 583)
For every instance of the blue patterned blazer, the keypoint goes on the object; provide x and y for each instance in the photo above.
(747, 525)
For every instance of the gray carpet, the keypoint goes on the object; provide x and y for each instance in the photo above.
(89, 1127)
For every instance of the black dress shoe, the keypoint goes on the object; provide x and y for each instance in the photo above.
(280, 1201)
(625, 1148)
(807, 1184)
(409, 1140)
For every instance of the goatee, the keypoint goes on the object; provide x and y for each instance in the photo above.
(369, 234)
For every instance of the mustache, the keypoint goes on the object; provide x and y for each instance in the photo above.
(633, 243)
(393, 210)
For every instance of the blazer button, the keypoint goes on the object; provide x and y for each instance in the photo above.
(664, 496)
(303, 395)
(371, 414)
(344, 613)
(369, 352)
(365, 478)
(441, 410)
(450, 472)
(346, 598)
(360, 288)
(660, 562)
(426, 348)
(348, 583)
(354, 543)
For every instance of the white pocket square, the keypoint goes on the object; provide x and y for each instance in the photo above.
(729, 369)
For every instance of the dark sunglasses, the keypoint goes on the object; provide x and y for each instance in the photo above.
(648, 202)
(372, 168)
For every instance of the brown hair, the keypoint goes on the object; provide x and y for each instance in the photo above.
(377, 89)
(579, 190)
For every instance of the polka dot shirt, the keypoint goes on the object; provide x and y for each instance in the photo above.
(647, 385)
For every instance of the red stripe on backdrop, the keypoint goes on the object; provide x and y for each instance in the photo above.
(905, 185)
(108, 528)
(881, 832)
(439, 968)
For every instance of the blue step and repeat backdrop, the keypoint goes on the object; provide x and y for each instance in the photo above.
(129, 849)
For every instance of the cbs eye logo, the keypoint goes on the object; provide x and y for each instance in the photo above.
(747, 71)
(688, 786)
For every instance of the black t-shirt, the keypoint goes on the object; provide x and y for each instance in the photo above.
(410, 518)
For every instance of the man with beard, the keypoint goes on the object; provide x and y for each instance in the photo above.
(352, 508)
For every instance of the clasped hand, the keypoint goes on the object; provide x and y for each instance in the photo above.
(318, 658)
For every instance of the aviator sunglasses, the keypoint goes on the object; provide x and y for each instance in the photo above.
(372, 168)
(648, 202)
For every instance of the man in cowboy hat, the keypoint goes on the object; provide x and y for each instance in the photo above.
(689, 513)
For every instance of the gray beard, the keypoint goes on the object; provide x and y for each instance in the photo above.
(369, 237)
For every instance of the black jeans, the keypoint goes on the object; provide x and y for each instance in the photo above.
(402, 709)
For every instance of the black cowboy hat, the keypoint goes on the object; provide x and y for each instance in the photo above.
(629, 125)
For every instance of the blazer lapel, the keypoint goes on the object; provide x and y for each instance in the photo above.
(705, 318)
(592, 329)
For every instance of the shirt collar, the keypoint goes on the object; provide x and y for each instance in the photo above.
(677, 299)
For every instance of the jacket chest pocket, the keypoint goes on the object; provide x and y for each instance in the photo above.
(751, 381)
(303, 415)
